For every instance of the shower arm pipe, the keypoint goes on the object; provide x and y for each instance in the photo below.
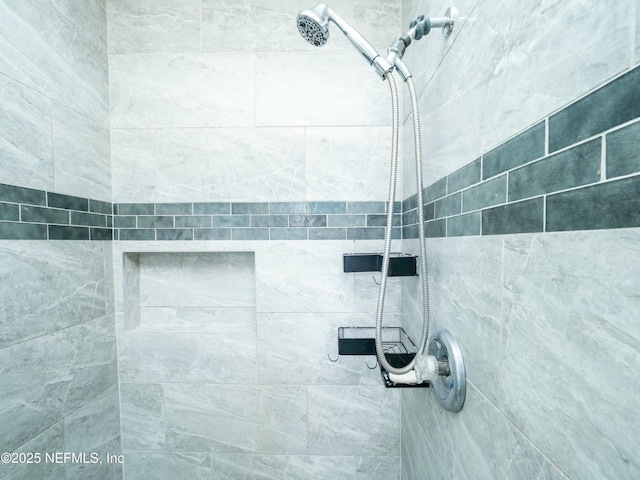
(389, 227)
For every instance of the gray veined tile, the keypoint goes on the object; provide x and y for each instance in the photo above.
(197, 279)
(265, 26)
(377, 468)
(208, 358)
(95, 425)
(182, 90)
(637, 20)
(168, 465)
(271, 467)
(347, 163)
(154, 27)
(279, 347)
(465, 298)
(142, 415)
(304, 467)
(379, 21)
(220, 320)
(328, 289)
(50, 440)
(234, 419)
(53, 49)
(26, 152)
(157, 164)
(589, 316)
(51, 376)
(283, 95)
(82, 157)
(340, 420)
(55, 285)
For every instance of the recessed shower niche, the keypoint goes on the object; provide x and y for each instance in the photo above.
(188, 317)
(194, 292)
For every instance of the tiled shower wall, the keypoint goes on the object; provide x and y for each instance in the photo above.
(228, 129)
(58, 369)
(532, 194)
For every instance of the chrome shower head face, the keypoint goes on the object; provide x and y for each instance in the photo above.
(313, 25)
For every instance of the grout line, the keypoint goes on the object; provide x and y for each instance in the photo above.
(603, 159)
(546, 136)
(518, 429)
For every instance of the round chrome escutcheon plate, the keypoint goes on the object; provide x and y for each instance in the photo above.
(450, 390)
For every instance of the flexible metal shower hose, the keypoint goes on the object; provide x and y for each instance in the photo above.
(389, 229)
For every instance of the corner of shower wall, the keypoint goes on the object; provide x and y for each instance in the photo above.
(57, 315)
(513, 296)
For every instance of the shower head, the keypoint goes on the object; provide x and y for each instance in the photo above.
(313, 25)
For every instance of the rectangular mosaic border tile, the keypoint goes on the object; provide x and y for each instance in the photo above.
(253, 221)
(29, 214)
(578, 169)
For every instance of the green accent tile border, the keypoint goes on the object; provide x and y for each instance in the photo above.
(576, 169)
(587, 179)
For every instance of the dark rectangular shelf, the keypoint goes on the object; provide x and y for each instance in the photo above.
(400, 264)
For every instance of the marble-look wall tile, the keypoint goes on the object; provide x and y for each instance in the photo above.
(323, 88)
(49, 377)
(316, 281)
(142, 408)
(173, 165)
(377, 468)
(304, 467)
(477, 443)
(197, 279)
(280, 346)
(94, 429)
(186, 357)
(182, 90)
(215, 418)
(109, 274)
(168, 465)
(154, 27)
(49, 286)
(635, 10)
(233, 419)
(54, 49)
(420, 56)
(270, 467)
(209, 320)
(26, 152)
(379, 21)
(348, 163)
(488, 292)
(103, 33)
(340, 420)
(95, 424)
(465, 297)
(517, 74)
(269, 26)
(257, 25)
(588, 317)
(51, 440)
(82, 164)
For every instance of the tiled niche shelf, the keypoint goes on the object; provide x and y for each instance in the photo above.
(194, 292)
